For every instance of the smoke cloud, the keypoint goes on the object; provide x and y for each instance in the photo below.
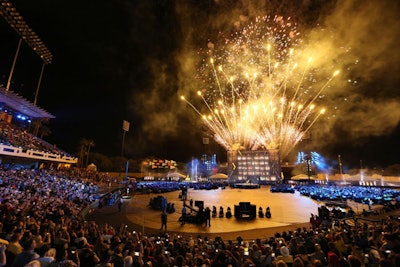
(360, 38)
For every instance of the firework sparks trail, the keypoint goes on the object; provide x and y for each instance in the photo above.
(259, 92)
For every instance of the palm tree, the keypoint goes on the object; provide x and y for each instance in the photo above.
(39, 127)
(44, 131)
(82, 150)
(90, 144)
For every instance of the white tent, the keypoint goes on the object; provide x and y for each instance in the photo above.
(219, 176)
(176, 175)
(302, 177)
(91, 167)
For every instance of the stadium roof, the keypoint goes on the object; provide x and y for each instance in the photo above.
(20, 104)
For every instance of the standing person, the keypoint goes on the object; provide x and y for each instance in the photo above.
(27, 255)
(333, 255)
(191, 203)
(120, 204)
(183, 214)
(370, 204)
(14, 247)
(184, 193)
(164, 221)
(101, 203)
(3, 247)
(208, 216)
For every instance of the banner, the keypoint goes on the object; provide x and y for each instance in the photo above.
(161, 164)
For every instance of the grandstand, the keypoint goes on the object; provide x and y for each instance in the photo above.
(17, 145)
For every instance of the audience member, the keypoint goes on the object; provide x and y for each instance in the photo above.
(41, 209)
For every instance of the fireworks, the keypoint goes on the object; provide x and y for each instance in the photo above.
(260, 90)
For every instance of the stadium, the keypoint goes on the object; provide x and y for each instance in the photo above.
(57, 211)
(28, 163)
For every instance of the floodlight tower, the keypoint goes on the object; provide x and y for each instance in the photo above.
(17, 22)
(308, 157)
(341, 167)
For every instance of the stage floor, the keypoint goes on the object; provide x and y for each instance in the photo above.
(286, 209)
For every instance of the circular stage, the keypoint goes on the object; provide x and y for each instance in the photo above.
(289, 211)
(286, 209)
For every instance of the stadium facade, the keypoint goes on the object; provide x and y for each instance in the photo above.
(254, 166)
(17, 146)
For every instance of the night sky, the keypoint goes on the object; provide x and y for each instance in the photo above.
(131, 60)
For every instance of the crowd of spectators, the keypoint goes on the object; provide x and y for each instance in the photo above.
(158, 187)
(42, 226)
(16, 137)
(360, 194)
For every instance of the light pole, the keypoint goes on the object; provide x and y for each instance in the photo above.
(125, 128)
(307, 137)
(38, 86)
(340, 168)
(309, 160)
(13, 65)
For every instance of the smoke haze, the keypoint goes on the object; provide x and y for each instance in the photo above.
(360, 38)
